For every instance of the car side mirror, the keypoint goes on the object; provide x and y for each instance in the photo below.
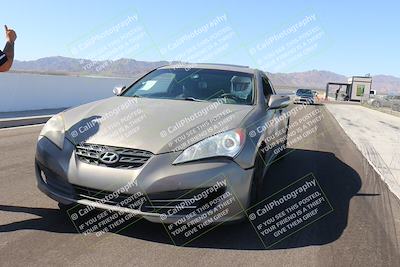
(118, 90)
(278, 101)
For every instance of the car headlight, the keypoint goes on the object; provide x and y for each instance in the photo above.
(226, 144)
(54, 130)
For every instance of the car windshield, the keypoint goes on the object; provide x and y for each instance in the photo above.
(195, 85)
(304, 92)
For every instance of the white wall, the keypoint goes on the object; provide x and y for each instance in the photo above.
(20, 91)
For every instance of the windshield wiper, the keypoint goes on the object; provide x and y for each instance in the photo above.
(192, 99)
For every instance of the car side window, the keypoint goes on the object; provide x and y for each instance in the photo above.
(267, 89)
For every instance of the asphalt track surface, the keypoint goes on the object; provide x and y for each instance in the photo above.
(363, 229)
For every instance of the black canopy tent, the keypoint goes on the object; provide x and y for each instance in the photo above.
(334, 83)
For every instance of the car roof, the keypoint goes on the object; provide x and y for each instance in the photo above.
(211, 66)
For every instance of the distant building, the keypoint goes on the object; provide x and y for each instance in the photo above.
(357, 88)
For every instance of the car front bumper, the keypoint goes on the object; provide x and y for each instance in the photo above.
(61, 176)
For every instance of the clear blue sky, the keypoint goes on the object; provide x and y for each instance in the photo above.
(359, 36)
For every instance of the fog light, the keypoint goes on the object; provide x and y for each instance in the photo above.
(43, 175)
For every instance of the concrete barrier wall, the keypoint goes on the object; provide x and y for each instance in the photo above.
(20, 91)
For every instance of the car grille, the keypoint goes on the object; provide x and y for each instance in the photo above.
(128, 158)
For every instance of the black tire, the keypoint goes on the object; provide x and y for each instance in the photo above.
(65, 207)
(256, 181)
(376, 104)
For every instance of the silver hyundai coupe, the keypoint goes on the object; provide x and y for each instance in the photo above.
(176, 143)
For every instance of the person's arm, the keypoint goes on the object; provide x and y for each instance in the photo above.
(9, 53)
(9, 49)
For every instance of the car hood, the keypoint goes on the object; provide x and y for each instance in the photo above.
(155, 125)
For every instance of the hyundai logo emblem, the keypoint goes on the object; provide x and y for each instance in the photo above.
(109, 157)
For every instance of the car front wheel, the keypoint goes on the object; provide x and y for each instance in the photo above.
(376, 104)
